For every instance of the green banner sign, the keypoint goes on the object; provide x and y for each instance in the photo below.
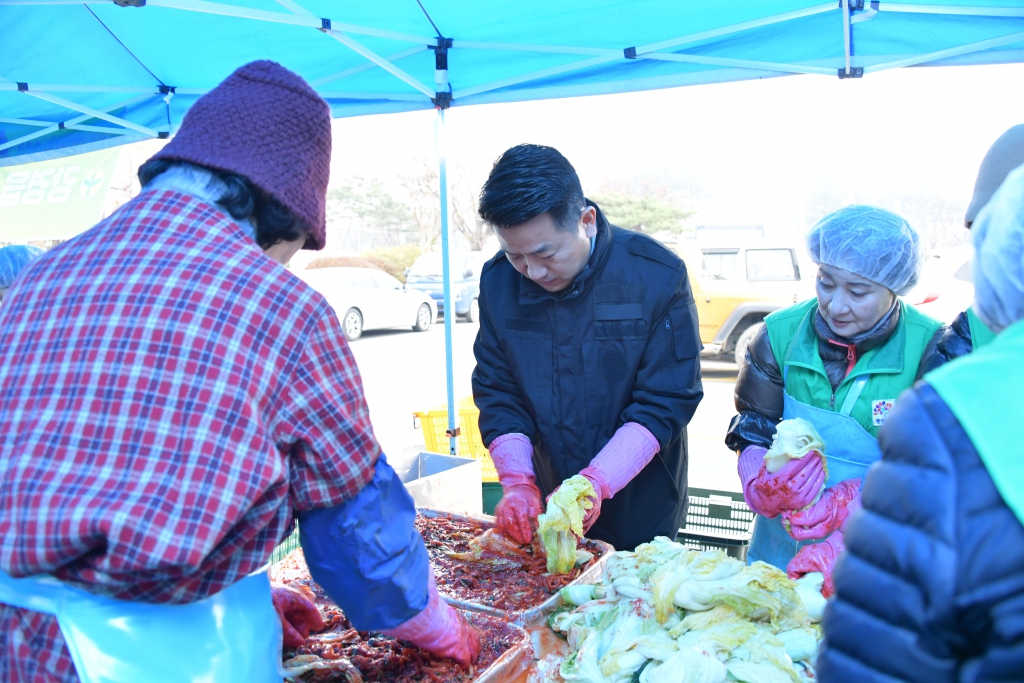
(54, 200)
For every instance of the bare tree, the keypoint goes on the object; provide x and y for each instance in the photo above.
(465, 195)
(423, 198)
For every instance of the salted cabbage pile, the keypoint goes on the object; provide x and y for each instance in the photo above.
(666, 614)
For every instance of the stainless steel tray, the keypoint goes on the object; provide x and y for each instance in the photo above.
(512, 663)
(533, 615)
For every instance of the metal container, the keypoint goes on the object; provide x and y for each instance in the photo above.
(534, 615)
(512, 663)
(441, 482)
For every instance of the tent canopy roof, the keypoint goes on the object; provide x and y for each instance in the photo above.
(79, 76)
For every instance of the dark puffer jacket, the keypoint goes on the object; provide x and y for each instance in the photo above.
(931, 588)
(955, 341)
(759, 387)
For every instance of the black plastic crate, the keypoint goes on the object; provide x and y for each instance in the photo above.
(719, 520)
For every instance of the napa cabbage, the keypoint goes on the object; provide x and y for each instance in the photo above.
(562, 524)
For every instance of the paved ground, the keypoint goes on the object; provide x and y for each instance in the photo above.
(404, 371)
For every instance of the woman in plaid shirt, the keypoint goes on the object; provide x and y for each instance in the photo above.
(172, 398)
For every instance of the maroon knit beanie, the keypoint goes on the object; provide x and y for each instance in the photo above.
(265, 123)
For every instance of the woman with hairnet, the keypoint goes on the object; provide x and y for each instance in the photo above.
(838, 361)
(931, 588)
(13, 258)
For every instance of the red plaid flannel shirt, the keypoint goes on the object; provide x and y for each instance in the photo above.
(169, 396)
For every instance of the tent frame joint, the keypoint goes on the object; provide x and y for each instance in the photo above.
(325, 25)
(629, 53)
(443, 95)
(442, 100)
(855, 72)
(22, 87)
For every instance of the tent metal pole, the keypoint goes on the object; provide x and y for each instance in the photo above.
(54, 87)
(522, 47)
(440, 143)
(952, 9)
(390, 96)
(736, 28)
(543, 73)
(54, 127)
(282, 18)
(93, 113)
(951, 52)
(383, 63)
(846, 34)
(366, 67)
(739, 63)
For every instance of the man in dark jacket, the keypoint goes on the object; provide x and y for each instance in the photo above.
(587, 356)
(931, 587)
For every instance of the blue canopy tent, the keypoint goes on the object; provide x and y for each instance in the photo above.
(77, 76)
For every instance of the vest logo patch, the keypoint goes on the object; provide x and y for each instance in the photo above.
(880, 411)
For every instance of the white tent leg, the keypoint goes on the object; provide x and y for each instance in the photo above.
(449, 309)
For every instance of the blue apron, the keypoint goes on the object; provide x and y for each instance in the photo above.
(231, 637)
(850, 450)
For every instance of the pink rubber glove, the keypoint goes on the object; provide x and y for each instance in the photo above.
(520, 501)
(630, 449)
(818, 557)
(828, 515)
(793, 487)
(297, 613)
(441, 630)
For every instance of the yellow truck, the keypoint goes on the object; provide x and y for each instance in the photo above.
(736, 283)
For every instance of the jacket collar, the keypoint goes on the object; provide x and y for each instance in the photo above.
(887, 357)
(531, 293)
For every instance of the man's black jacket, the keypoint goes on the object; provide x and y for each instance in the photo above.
(568, 369)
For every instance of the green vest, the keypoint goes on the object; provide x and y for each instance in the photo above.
(983, 390)
(892, 366)
(981, 334)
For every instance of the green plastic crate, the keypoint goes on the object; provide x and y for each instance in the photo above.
(718, 520)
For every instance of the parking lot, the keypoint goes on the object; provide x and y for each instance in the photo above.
(404, 371)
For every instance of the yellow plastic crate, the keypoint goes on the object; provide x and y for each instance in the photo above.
(469, 443)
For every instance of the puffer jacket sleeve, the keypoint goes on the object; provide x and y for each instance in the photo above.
(931, 588)
(950, 342)
(759, 396)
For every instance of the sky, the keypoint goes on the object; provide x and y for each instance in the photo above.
(759, 149)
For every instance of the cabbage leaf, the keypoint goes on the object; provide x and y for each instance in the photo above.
(562, 524)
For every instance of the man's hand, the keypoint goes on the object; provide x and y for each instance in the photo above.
(518, 507)
(297, 612)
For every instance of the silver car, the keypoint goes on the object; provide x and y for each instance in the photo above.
(370, 299)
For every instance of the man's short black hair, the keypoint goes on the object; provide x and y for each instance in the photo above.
(528, 180)
(274, 222)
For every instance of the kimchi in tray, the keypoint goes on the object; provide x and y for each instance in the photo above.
(338, 653)
(480, 571)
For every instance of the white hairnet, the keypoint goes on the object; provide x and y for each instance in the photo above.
(12, 259)
(998, 269)
(871, 242)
